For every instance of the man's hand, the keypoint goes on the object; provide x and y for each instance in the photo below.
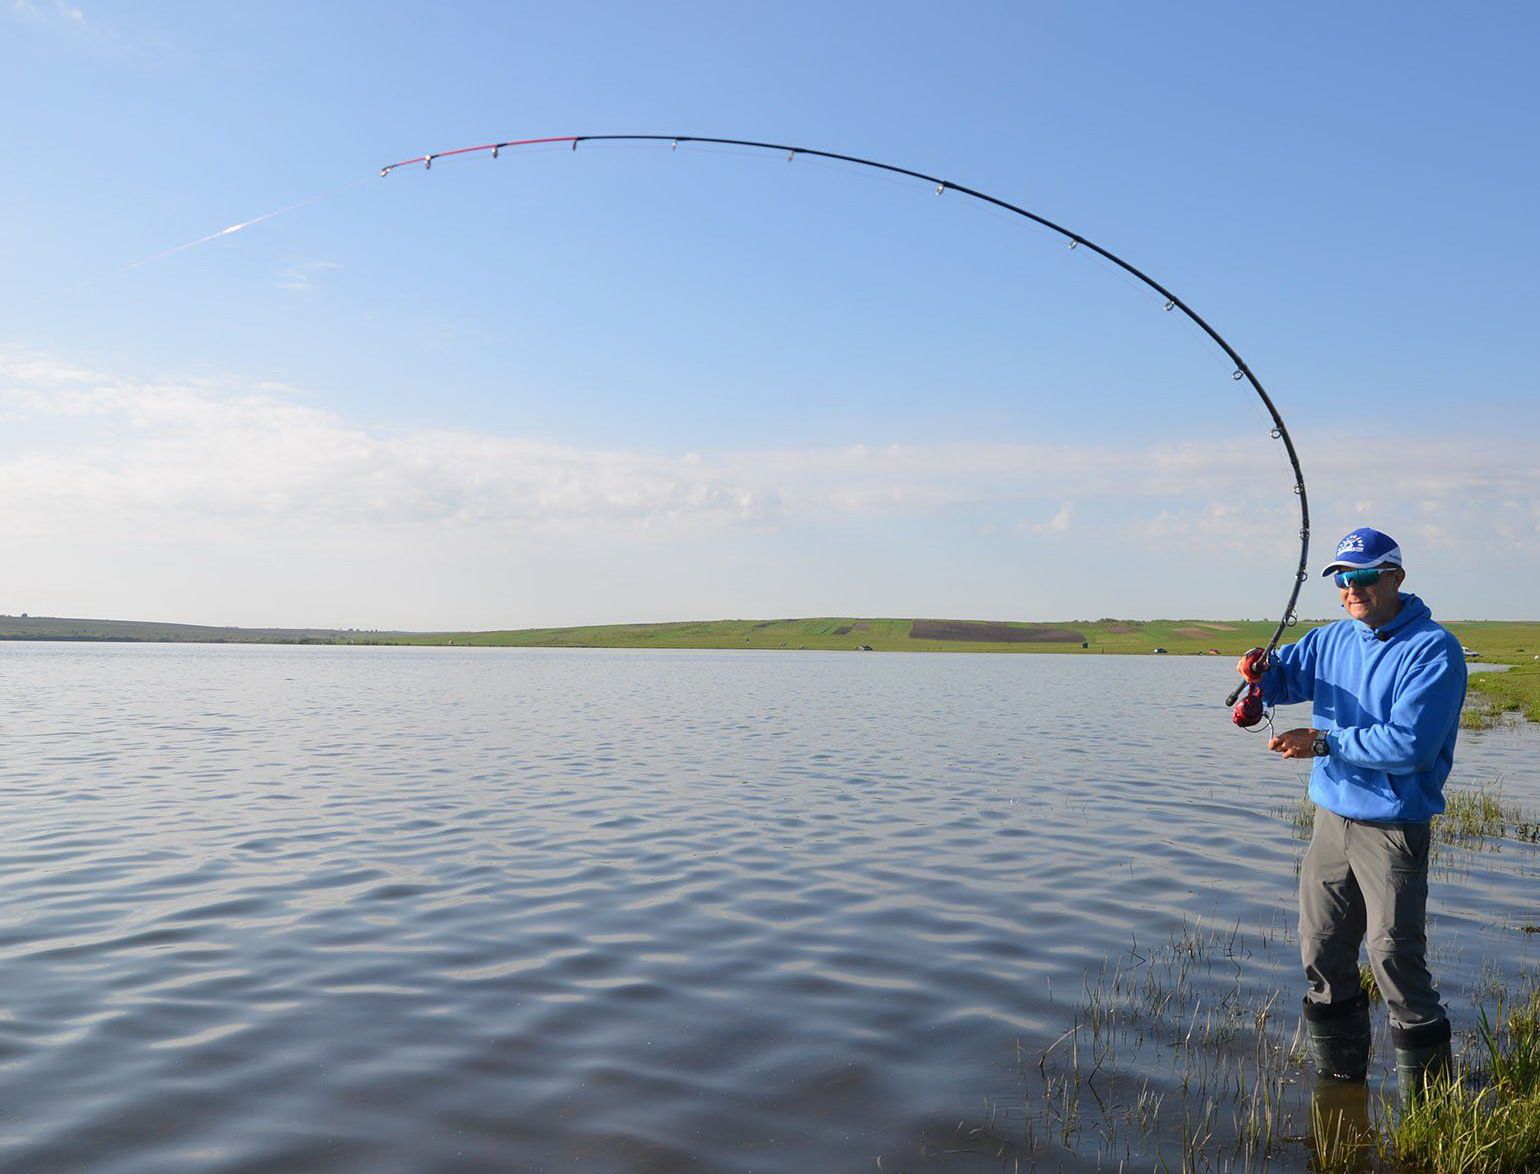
(1294, 743)
(1248, 665)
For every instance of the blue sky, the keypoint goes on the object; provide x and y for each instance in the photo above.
(628, 384)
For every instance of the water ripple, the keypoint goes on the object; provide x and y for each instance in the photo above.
(375, 909)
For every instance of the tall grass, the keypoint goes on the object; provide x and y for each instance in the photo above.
(1174, 1061)
(1215, 1084)
(1488, 1123)
(1472, 817)
(1230, 1095)
(1475, 815)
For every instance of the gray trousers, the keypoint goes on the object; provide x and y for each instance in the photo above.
(1368, 879)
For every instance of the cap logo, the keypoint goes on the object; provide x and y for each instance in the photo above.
(1352, 544)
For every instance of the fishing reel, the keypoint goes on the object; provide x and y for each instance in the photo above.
(1250, 710)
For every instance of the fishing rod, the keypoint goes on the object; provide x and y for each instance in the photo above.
(1248, 712)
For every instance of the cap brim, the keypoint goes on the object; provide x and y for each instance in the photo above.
(1387, 564)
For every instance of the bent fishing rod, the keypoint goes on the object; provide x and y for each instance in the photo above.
(1251, 708)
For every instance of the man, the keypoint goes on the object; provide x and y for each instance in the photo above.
(1387, 685)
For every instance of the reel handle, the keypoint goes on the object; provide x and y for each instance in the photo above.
(1257, 661)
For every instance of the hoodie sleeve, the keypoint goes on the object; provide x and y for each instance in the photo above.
(1425, 709)
(1291, 679)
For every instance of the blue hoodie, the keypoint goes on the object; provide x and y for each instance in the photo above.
(1389, 701)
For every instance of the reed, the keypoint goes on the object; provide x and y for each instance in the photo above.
(1489, 1121)
(1370, 984)
(1299, 815)
(1223, 1081)
(1218, 1087)
(1473, 817)
(1176, 1058)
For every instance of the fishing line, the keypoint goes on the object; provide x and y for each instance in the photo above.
(1170, 302)
(223, 232)
(209, 238)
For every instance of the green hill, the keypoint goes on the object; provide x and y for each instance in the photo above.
(1498, 641)
(834, 633)
(153, 632)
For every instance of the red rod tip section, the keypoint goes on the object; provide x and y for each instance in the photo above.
(493, 147)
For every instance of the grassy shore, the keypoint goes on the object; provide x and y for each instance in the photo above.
(1494, 696)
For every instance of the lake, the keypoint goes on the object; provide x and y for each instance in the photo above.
(374, 909)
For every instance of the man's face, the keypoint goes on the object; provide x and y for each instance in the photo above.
(1375, 603)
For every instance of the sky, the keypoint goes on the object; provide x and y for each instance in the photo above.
(628, 383)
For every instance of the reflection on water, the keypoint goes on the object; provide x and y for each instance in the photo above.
(442, 909)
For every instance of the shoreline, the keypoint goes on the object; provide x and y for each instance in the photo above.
(1492, 696)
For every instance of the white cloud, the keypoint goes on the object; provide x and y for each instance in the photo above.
(300, 277)
(205, 450)
(49, 10)
(1058, 524)
(176, 469)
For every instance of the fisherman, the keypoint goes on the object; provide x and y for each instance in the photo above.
(1386, 685)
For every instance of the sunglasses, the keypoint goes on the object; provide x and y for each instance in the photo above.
(1367, 577)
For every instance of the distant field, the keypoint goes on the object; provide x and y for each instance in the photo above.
(836, 633)
(1497, 641)
(978, 631)
(1493, 694)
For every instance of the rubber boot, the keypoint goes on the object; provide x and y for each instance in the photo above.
(1339, 1038)
(1423, 1056)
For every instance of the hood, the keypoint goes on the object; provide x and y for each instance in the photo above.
(1413, 611)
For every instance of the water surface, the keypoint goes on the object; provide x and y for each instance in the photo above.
(466, 909)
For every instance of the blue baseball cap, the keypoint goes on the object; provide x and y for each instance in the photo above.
(1364, 547)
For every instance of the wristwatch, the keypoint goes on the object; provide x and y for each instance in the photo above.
(1322, 747)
